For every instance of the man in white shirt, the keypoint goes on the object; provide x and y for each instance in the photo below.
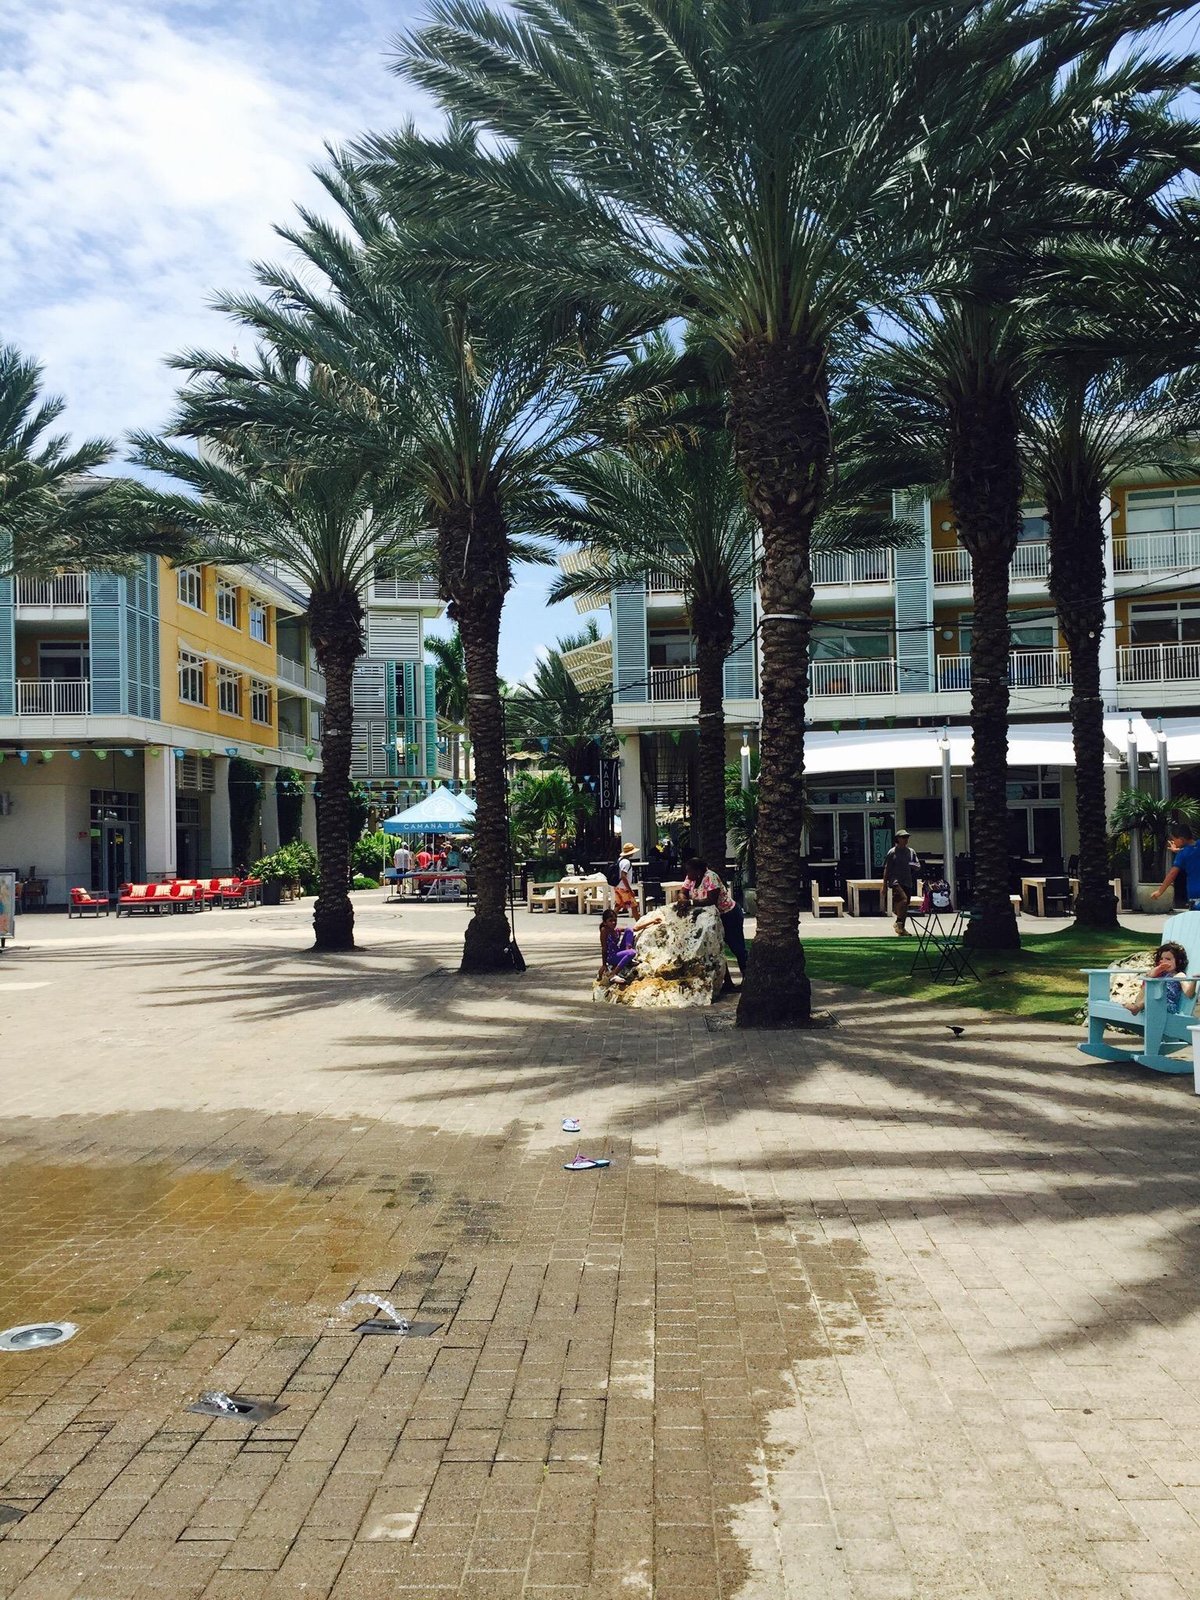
(402, 860)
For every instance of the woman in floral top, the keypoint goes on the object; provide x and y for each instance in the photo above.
(704, 888)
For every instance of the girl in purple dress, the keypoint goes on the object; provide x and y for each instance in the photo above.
(616, 948)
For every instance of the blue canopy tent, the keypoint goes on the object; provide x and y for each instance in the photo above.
(439, 812)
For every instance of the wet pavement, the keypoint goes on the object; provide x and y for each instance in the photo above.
(866, 1312)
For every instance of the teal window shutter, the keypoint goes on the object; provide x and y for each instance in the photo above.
(629, 646)
(431, 727)
(389, 708)
(108, 644)
(739, 665)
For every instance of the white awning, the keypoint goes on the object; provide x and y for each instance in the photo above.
(1030, 744)
(1183, 740)
(1116, 734)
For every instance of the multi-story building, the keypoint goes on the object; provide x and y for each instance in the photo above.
(395, 745)
(891, 674)
(123, 701)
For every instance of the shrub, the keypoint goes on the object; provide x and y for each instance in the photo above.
(372, 853)
(291, 863)
(359, 882)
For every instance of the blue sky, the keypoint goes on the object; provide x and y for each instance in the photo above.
(148, 150)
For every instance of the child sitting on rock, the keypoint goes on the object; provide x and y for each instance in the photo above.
(616, 949)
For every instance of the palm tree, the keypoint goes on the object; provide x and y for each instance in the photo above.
(263, 491)
(54, 511)
(479, 401)
(737, 168)
(548, 804)
(569, 724)
(681, 513)
(1087, 422)
(450, 689)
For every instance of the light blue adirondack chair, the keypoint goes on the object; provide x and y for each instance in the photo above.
(1164, 1032)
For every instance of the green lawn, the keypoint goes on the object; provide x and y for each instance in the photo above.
(1042, 979)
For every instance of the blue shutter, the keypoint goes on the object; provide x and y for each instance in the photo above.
(430, 725)
(107, 644)
(411, 767)
(8, 650)
(739, 665)
(629, 647)
(391, 759)
(914, 603)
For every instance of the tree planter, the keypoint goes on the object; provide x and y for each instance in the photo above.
(271, 893)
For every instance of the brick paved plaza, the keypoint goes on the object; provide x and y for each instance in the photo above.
(867, 1312)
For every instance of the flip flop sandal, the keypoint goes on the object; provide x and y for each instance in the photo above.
(570, 1125)
(585, 1163)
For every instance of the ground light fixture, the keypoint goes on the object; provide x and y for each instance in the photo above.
(37, 1335)
(234, 1407)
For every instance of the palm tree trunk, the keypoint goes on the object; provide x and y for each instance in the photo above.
(473, 566)
(985, 491)
(335, 622)
(1077, 589)
(780, 421)
(713, 632)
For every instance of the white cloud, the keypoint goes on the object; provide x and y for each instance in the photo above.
(145, 164)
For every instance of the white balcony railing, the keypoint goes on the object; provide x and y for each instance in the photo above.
(294, 742)
(1157, 552)
(1158, 663)
(316, 678)
(1029, 561)
(53, 697)
(405, 589)
(293, 671)
(674, 683)
(852, 677)
(662, 583)
(1027, 669)
(852, 566)
(64, 589)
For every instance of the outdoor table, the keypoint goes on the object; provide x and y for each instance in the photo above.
(858, 886)
(940, 948)
(435, 880)
(670, 887)
(1037, 887)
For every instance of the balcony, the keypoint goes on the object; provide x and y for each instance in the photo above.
(953, 567)
(296, 743)
(674, 683)
(1027, 669)
(1157, 552)
(1158, 663)
(304, 677)
(69, 589)
(53, 697)
(851, 567)
(852, 677)
(423, 589)
(662, 583)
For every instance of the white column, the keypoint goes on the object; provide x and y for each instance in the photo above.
(308, 813)
(220, 844)
(633, 822)
(160, 812)
(270, 812)
(1108, 639)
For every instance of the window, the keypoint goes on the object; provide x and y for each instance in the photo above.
(1161, 510)
(1165, 622)
(62, 658)
(1039, 633)
(260, 701)
(191, 678)
(190, 587)
(671, 650)
(842, 644)
(229, 692)
(227, 603)
(1034, 526)
(258, 621)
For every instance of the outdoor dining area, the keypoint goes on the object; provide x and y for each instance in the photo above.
(441, 815)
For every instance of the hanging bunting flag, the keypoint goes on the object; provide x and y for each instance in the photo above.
(23, 757)
(597, 738)
(836, 726)
(103, 754)
(75, 754)
(231, 749)
(127, 752)
(1, 757)
(155, 751)
(178, 753)
(622, 738)
(676, 734)
(206, 753)
(259, 750)
(309, 751)
(47, 755)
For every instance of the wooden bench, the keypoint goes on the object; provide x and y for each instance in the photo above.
(1163, 1032)
(822, 902)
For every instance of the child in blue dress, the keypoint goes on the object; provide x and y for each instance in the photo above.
(1170, 962)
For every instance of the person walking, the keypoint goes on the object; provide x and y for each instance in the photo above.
(704, 888)
(625, 894)
(901, 869)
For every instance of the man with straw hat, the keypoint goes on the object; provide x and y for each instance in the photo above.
(625, 896)
(901, 869)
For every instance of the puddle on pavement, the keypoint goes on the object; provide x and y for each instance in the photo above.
(689, 1307)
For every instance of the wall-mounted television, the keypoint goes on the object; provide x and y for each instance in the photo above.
(926, 815)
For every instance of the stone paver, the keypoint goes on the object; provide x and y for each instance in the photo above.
(864, 1312)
